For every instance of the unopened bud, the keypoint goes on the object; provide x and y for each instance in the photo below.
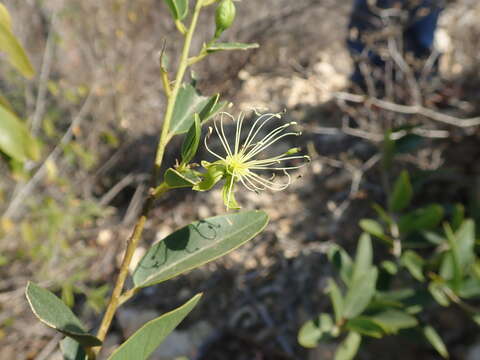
(293, 151)
(224, 16)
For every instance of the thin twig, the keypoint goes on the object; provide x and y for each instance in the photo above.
(43, 79)
(409, 110)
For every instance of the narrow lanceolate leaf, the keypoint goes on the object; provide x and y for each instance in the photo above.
(15, 140)
(372, 227)
(197, 244)
(212, 107)
(192, 140)
(452, 257)
(360, 294)
(365, 326)
(421, 219)
(72, 350)
(50, 310)
(349, 347)
(414, 263)
(179, 8)
(363, 257)
(342, 261)
(432, 336)
(337, 300)
(189, 102)
(145, 340)
(10, 45)
(315, 330)
(465, 237)
(437, 291)
(230, 46)
(391, 321)
(402, 193)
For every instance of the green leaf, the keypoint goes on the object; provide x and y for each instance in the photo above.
(179, 8)
(349, 347)
(465, 237)
(451, 261)
(389, 266)
(50, 310)
(438, 293)
(315, 330)
(197, 244)
(458, 215)
(421, 219)
(189, 102)
(15, 140)
(414, 263)
(469, 288)
(10, 45)
(476, 318)
(180, 179)
(145, 340)
(433, 338)
(363, 257)
(5, 19)
(336, 299)
(213, 175)
(382, 214)
(365, 326)
(391, 299)
(212, 107)
(391, 321)
(192, 140)
(433, 237)
(228, 193)
(360, 293)
(373, 228)
(402, 193)
(230, 46)
(72, 350)
(342, 261)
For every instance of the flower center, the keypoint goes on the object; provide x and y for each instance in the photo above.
(236, 165)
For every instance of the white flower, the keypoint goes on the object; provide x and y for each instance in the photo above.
(240, 160)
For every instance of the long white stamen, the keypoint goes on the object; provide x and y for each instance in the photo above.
(251, 137)
(253, 187)
(268, 137)
(223, 140)
(273, 187)
(238, 132)
(268, 183)
(263, 146)
(206, 146)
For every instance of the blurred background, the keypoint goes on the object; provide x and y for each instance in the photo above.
(65, 218)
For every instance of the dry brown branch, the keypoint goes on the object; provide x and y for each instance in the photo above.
(409, 110)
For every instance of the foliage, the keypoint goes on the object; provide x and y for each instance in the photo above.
(15, 139)
(433, 259)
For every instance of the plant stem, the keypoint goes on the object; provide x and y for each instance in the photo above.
(165, 135)
(154, 192)
(122, 276)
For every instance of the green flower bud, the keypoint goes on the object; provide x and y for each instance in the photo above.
(293, 151)
(224, 16)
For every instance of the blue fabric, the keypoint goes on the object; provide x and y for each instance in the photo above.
(418, 33)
